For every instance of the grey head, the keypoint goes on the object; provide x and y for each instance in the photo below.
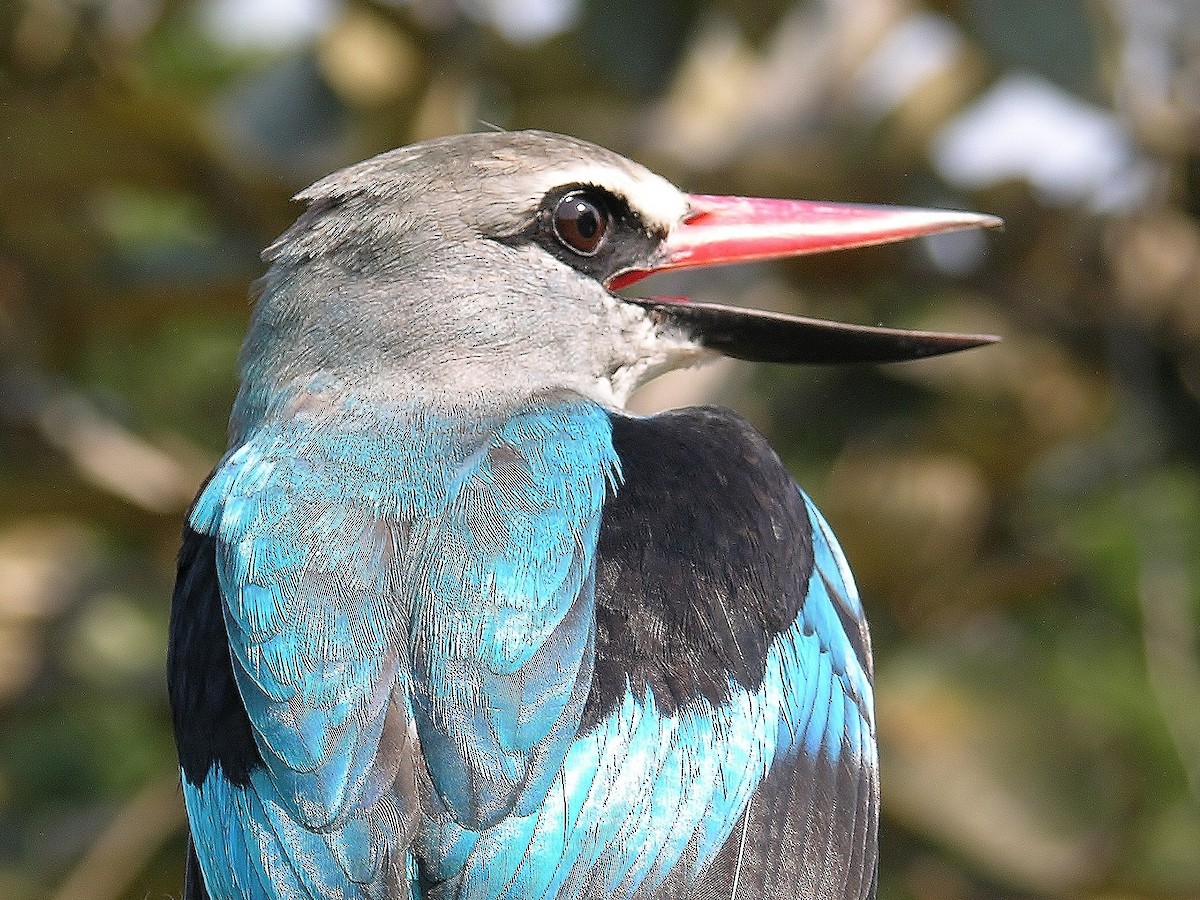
(434, 272)
(478, 269)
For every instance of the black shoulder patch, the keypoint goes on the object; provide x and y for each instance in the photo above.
(211, 724)
(704, 556)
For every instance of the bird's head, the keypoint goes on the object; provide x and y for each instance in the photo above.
(486, 266)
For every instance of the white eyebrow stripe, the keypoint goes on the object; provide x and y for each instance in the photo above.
(658, 203)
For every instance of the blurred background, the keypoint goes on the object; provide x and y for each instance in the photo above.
(1024, 520)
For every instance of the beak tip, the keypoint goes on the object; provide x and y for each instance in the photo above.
(956, 342)
(982, 220)
(896, 345)
(925, 222)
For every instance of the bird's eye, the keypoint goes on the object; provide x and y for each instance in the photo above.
(580, 222)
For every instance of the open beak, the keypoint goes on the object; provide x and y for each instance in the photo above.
(721, 230)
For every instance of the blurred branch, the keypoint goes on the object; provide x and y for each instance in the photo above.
(1170, 636)
(126, 846)
(103, 451)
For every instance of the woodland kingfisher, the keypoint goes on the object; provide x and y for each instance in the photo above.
(451, 624)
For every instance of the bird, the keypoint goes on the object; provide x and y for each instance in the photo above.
(451, 623)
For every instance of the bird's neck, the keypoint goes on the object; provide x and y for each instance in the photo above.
(394, 403)
(373, 339)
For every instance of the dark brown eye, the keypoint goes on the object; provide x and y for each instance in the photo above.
(580, 222)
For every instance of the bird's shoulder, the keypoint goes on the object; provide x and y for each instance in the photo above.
(721, 588)
(707, 553)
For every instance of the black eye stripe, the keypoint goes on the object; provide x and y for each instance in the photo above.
(625, 242)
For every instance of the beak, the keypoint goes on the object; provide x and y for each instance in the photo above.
(721, 230)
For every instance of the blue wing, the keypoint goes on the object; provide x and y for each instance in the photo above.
(305, 568)
(370, 581)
